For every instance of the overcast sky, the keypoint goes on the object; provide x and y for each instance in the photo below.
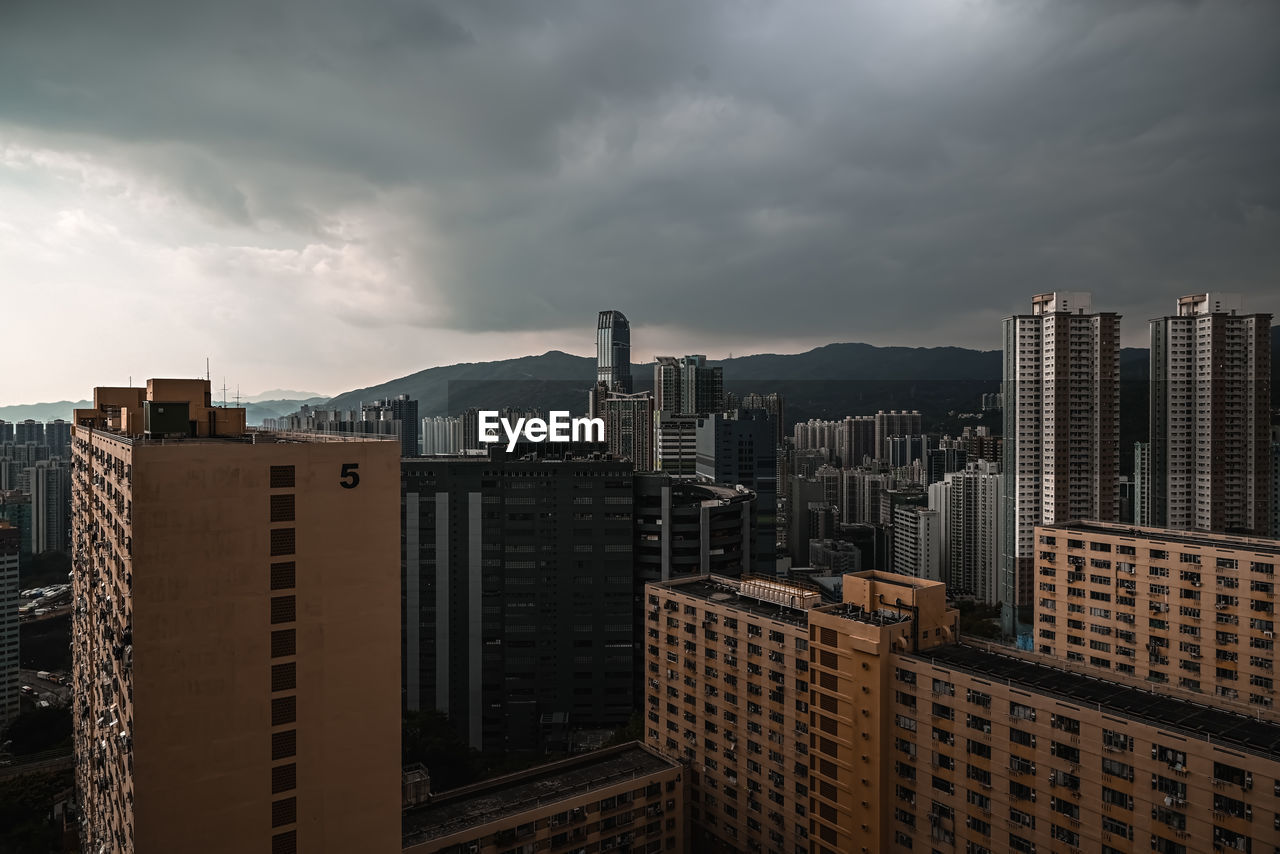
(322, 196)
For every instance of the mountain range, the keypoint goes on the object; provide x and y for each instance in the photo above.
(826, 382)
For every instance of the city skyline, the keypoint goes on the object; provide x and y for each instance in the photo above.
(453, 183)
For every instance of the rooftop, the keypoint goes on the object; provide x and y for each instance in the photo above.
(1183, 716)
(721, 592)
(472, 806)
(1201, 539)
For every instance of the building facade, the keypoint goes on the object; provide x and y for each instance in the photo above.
(1210, 417)
(738, 448)
(1061, 430)
(625, 798)
(629, 427)
(971, 515)
(917, 542)
(10, 548)
(233, 632)
(896, 422)
(686, 385)
(613, 352)
(1191, 612)
(518, 595)
(867, 727)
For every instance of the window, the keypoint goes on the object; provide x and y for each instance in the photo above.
(282, 477)
(284, 812)
(284, 642)
(283, 541)
(284, 677)
(284, 710)
(284, 778)
(284, 744)
(283, 575)
(283, 609)
(282, 507)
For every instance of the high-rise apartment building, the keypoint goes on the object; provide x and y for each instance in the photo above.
(940, 462)
(1142, 483)
(629, 427)
(1210, 417)
(685, 385)
(49, 484)
(441, 435)
(518, 595)
(1192, 612)
(917, 542)
(675, 443)
(10, 548)
(897, 422)
(971, 515)
(773, 404)
(866, 727)
(402, 411)
(613, 352)
(856, 440)
(234, 631)
(1061, 430)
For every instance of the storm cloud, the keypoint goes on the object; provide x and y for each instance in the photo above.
(355, 190)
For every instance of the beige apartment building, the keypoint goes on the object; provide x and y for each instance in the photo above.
(624, 798)
(867, 727)
(235, 633)
(1191, 612)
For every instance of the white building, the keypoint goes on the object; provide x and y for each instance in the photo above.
(971, 517)
(1210, 465)
(1061, 430)
(917, 542)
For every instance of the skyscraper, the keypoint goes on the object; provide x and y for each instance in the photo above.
(897, 422)
(235, 632)
(49, 483)
(1061, 430)
(685, 385)
(613, 352)
(1211, 417)
(629, 427)
(970, 505)
(9, 583)
(402, 410)
(738, 448)
(518, 595)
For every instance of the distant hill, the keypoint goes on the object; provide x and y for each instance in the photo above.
(255, 412)
(277, 394)
(43, 411)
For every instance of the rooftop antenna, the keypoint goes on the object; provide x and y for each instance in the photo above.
(206, 369)
(224, 392)
(237, 394)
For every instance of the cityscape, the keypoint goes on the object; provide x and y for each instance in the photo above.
(740, 427)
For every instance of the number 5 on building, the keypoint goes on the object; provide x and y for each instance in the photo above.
(350, 477)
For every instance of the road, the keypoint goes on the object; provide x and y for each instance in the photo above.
(57, 694)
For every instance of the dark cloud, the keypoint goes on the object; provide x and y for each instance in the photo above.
(891, 171)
